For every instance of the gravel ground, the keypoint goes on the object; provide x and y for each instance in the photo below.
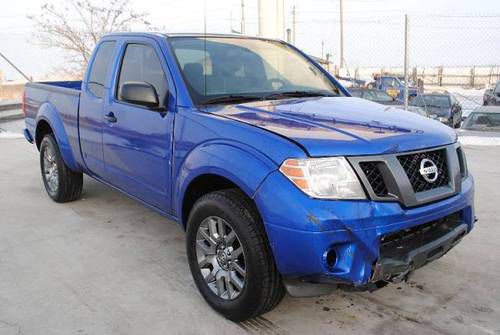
(107, 265)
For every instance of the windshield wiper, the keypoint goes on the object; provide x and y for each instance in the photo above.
(231, 99)
(299, 94)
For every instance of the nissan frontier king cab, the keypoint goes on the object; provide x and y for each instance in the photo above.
(281, 180)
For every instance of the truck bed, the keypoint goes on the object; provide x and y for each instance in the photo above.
(65, 87)
(57, 101)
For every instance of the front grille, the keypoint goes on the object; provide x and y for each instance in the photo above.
(403, 241)
(375, 178)
(411, 165)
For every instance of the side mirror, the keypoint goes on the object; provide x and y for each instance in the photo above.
(139, 93)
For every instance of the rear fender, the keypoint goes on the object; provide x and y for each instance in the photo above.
(47, 113)
(238, 162)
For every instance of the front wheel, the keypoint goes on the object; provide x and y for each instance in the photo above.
(61, 183)
(230, 258)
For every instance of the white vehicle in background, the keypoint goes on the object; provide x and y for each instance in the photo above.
(481, 127)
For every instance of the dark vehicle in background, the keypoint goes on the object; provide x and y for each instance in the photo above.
(443, 107)
(492, 96)
(385, 99)
(482, 122)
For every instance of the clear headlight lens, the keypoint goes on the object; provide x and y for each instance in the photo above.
(326, 178)
(443, 119)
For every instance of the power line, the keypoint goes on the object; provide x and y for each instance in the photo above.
(14, 66)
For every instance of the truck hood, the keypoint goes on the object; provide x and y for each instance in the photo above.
(331, 126)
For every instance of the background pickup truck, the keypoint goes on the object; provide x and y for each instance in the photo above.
(281, 180)
(393, 86)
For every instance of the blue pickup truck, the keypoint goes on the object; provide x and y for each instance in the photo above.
(281, 180)
(393, 86)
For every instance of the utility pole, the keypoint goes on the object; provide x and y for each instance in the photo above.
(406, 62)
(341, 34)
(289, 35)
(322, 49)
(294, 24)
(15, 67)
(283, 18)
(242, 28)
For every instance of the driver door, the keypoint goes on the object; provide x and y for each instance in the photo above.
(137, 140)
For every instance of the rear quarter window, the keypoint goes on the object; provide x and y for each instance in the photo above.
(100, 68)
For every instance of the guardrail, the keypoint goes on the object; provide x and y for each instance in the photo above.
(10, 110)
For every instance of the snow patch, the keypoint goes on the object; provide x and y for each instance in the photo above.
(478, 140)
(10, 135)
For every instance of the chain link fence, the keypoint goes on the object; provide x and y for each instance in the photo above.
(457, 54)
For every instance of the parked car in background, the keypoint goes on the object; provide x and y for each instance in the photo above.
(281, 180)
(385, 99)
(393, 86)
(375, 95)
(492, 96)
(482, 122)
(443, 107)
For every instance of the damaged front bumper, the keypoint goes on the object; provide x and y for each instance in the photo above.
(410, 249)
(357, 243)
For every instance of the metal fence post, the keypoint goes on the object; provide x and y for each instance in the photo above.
(406, 62)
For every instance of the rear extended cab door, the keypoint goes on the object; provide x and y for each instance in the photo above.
(137, 141)
(95, 88)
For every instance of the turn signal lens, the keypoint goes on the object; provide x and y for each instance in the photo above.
(325, 178)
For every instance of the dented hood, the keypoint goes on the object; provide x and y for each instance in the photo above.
(331, 126)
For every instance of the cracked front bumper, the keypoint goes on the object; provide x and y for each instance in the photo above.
(302, 231)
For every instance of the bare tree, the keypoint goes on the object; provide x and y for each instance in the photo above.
(77, 25)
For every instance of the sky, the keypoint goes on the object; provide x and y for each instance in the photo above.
(442, 32)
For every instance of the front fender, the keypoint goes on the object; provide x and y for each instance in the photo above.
(238, 162)
(47, 113)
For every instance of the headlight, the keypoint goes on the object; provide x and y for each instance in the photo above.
(325, 178)
(442, 119)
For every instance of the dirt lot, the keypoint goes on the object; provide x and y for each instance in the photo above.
(107, 265)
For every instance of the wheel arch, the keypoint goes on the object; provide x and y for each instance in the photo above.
(49, 121)
(244, 170)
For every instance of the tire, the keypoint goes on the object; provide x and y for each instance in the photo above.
(64, 185)
(263, 288)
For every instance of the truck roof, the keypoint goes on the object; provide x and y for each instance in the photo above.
(167, 35)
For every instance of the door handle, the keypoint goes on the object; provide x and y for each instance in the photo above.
(110, 117)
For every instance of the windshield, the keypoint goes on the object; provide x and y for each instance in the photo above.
(483, 121)
(437, 101)
(225, 69)
(379, 96)
(356, 93)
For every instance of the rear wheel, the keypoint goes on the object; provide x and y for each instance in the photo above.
(61, 183)
(230, 258)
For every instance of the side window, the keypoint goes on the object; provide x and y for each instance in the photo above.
(387, 82)
(100, 67)
(141, 63)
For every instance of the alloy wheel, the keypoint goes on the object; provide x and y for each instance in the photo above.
(220, 257)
